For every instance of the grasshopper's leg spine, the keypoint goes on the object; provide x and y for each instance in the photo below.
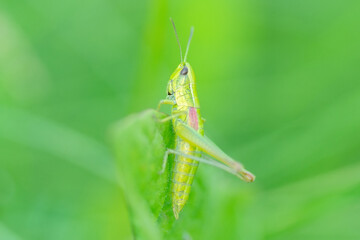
(164, 163)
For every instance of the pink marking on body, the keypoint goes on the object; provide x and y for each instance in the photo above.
(193, 118)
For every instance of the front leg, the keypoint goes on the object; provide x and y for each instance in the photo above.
(165, 101)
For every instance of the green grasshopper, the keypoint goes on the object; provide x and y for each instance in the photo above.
(190, 140)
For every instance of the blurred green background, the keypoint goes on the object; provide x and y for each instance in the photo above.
(279, 87)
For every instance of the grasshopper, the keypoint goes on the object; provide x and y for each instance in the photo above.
(190, 143)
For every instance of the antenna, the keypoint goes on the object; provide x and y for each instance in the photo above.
(177, 38)
(188, 45)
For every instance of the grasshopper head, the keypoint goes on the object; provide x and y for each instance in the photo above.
(184, 69)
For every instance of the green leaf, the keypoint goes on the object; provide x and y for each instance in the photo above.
(140, 143)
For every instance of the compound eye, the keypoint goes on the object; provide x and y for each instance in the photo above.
(184, 71)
